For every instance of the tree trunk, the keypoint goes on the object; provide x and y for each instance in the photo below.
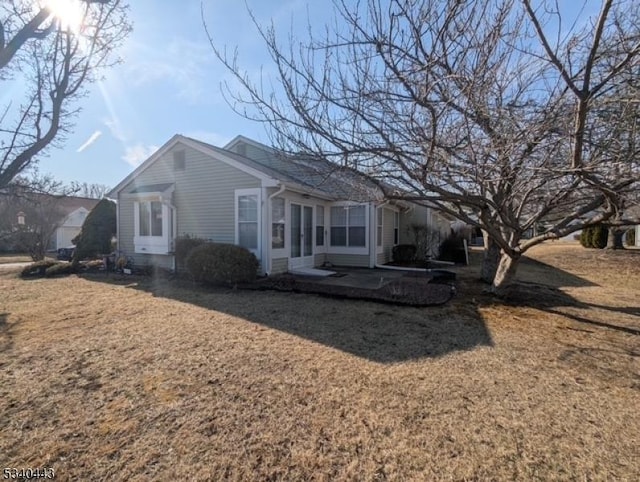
(490, 260)
(615, 238)
(505, 275)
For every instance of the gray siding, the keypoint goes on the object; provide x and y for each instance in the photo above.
(423, 215)
(359, 260)
(252, 152)
(387, 237)
(319, 259)
(279, 265)
(418, 215)
(204, 197)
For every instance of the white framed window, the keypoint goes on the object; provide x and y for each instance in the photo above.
(277, 223)
(348, 226)
(396, 228)
(153, 223)
(150, 221)
(319, 225)
(248, 219)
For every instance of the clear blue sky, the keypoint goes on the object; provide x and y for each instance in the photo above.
(169, 82)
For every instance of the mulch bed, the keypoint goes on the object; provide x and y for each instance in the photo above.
(408, 290)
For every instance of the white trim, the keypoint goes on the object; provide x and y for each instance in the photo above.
(379, 239)
(356, 250)
(302, 261)
(256, 191)
(152, 244)
(323, 248)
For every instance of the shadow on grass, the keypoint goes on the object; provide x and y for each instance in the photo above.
(377, 332)
(388, 334)
(5, 333)
(554, 277)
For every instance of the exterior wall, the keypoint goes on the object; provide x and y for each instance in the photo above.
(356, 260)
(387, 237)
(252, 152)
(279, 265)
(319, 260)
(69, 229)
(64, 235)
(424, 215)
(204, 199)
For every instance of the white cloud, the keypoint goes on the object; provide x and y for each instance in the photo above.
(190, 66)
(92, 138)
(212, 138)
(114, 126)
(137, 154)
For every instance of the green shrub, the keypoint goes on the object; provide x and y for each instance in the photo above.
(60, 269)
(594, 237)
(403, 253)
(225, 264)
(96, 232)
(183, 247)
(452, 249)
(37, 269)
(630, 237)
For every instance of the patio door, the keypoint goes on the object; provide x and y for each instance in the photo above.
(301, 236)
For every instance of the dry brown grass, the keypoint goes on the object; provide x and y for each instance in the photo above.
(14, 258)
(124, 379)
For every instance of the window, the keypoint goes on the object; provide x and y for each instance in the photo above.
(178, 160)
(248, 221)
(150, 218)
(154, 226)
(319, 225)
(21, 218)
(277, 223)
(379, 227)
(348, 226)
(396, 228)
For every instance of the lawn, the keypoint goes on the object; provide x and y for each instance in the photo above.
(8, 258)
(127, 378)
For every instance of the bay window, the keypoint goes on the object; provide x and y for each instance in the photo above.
(153, 221)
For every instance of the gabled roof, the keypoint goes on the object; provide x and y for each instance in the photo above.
(227, 157)
(313, 175)
(309, 175)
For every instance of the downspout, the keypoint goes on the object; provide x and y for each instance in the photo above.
(267, 261)
(174, 231)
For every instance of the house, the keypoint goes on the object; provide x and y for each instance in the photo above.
(292, 213)
(75, 210)
(55, 219)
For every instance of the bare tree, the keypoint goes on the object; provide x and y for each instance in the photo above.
(487, 109)
(30, 214)
(90, 190)
(49, 55)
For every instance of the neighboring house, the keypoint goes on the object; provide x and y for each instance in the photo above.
(290, 212)
(58, 219)
(75, 210)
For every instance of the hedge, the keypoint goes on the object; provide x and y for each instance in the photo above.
(224, 264)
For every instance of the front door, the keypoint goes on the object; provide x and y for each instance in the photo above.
(301, 236)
